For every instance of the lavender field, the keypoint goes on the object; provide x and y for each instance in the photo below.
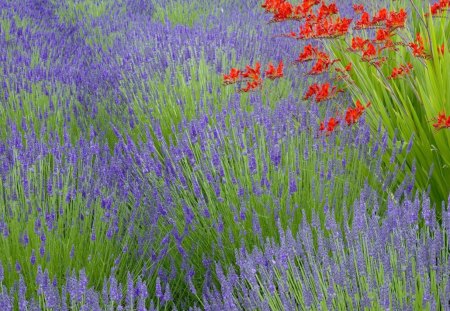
(224, 155)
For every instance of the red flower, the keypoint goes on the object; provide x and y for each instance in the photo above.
(252, 73)
(418, 47)
(439, 8)
(283, 12)
(353, 114)
(322, 126)
(442, 121)
(358, 44)
(358, 8)
(326, 11)
(308, 4)
(369, 53)
(271, 6)
(348, 67)
(343, 72)
(232, 77)
(342, 26)
(382, 35)
(401, 71)
(310, 53)
(321, 92)
(312, 90)
(274, 73)
(321, 66)
(291, 34)
(331, 28)
(306, 31)
(251, 86)
(441, 49)
(364, 22)
(330, 125)
(380, 17)
(396, 19)
(325, 93)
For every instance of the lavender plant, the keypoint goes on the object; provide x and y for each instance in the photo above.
(64, 206)
(376, 263)
(236, 175)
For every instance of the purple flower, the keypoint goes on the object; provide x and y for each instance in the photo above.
(158, 290)
(292, 184)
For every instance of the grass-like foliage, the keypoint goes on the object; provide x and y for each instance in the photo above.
(410, 103)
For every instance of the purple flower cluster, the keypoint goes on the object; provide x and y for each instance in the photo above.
(75, 293)
(376, 263)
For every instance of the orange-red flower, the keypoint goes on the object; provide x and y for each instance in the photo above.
(271, 6)
(369, 52)
(383, 35)
(418, 47)
(274, 73)
(321, 66)
(380, 17)
(331, 28)
(439, 8)
(251, 86)
(308, 4)
(358, 44)
(441, 49)
(348, 67)
(252, 73)
(304, 9)
(322, 92)
(283, 12)
(306, 31)
(365, 22)
(342, 26)
(232, 77)
(318, 27)
(396, 19)
(352, 115)
(310, 53)
(330, 126)
(358, 8)
(401, 71)
(327, 10)
(291, 34)
(312, 90)
(442, 121)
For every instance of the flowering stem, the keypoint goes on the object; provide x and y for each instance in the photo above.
(426, 26)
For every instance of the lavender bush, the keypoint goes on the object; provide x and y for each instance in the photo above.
(375, 263)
